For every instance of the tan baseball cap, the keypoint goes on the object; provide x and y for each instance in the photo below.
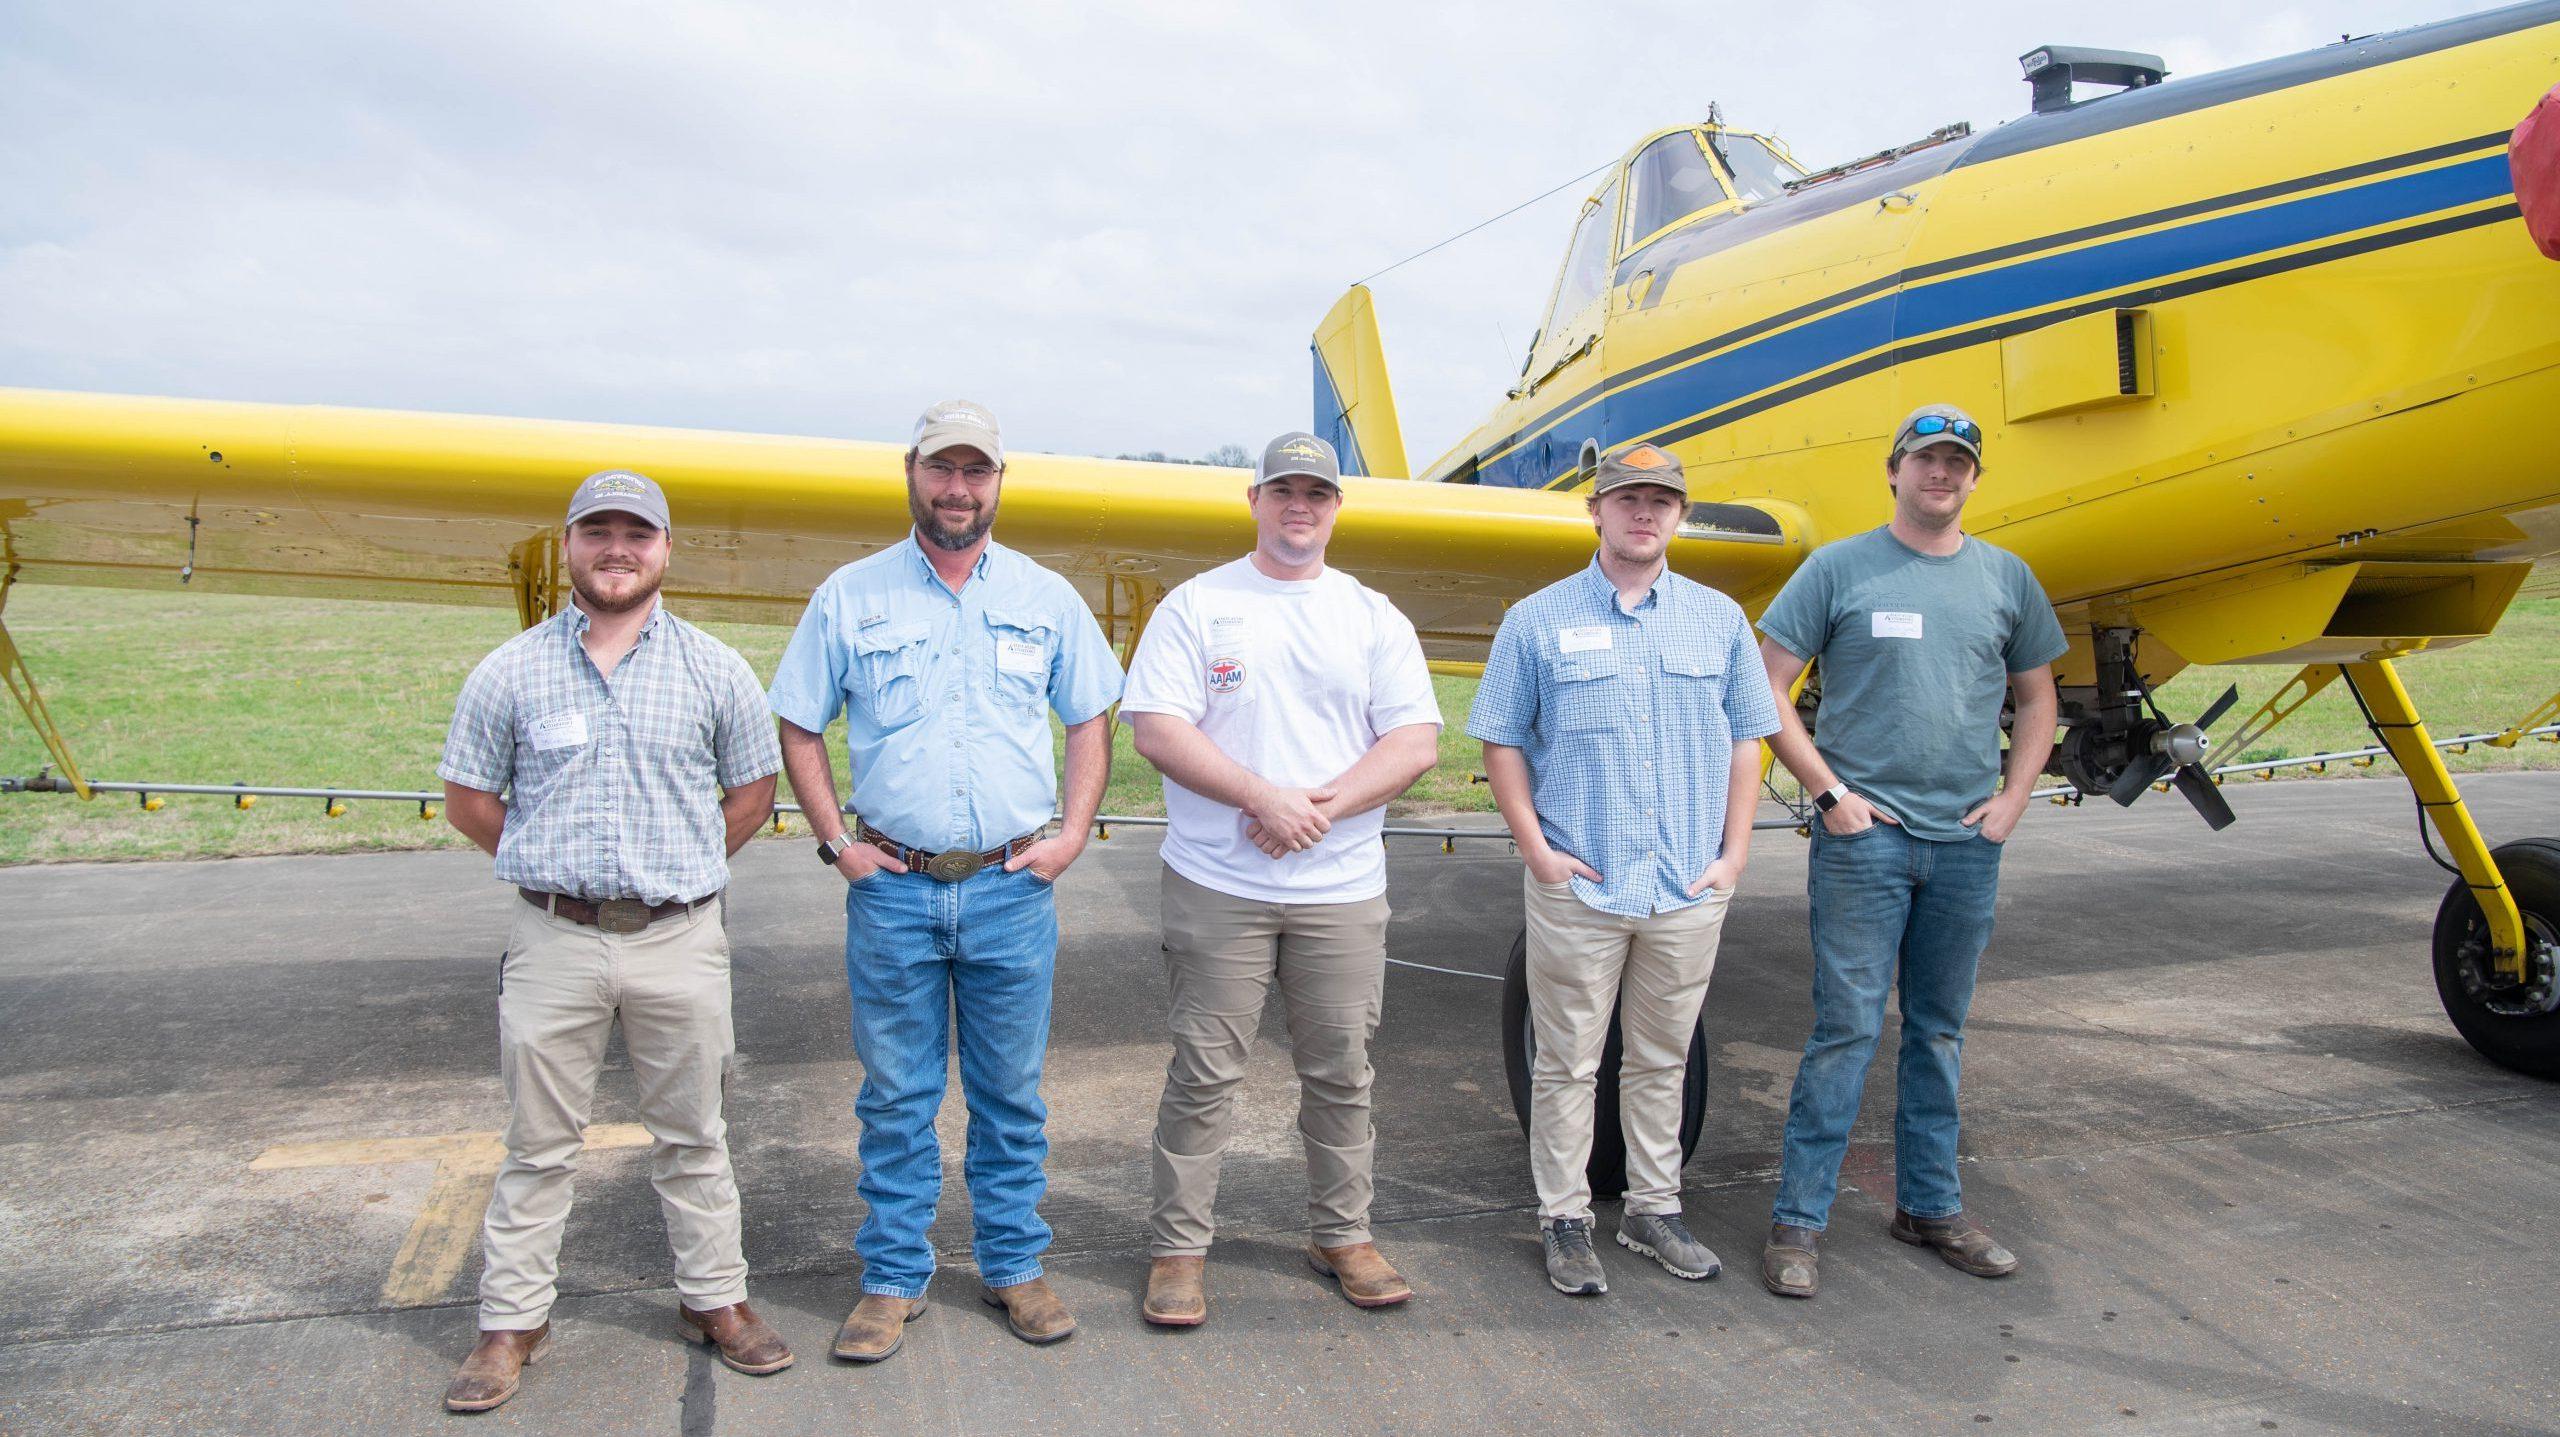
(1639, 463)
(955, 422)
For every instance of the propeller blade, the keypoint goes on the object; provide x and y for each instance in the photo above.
(2220, 706)
(2207, 798)
(2144, 771)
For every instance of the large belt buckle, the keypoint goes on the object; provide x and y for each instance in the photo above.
(952, 865)
(622, 915)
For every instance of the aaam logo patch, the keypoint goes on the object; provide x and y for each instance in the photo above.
(1225, 676)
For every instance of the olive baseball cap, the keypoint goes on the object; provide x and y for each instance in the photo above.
(1639, 463)
(955, 422)
(1297, 452)
(619, 491)
(1951, 426)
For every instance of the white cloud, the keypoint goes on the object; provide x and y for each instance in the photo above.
(1116, 223)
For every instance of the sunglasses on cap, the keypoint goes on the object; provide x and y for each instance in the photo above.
(1933, 424)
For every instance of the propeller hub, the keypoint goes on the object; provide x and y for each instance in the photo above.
(2182, 744)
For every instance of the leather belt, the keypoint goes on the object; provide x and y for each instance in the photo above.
(614, 915)
(950, 865)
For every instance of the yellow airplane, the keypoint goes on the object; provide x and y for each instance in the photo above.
(2264, 357)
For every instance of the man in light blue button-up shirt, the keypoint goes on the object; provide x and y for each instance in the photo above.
(1621, 712)
(947, 653)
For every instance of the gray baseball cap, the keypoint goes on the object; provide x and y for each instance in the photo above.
(955, 422)
(1639, 463)
(619, 491)
(1297, 452)
(1954, 427)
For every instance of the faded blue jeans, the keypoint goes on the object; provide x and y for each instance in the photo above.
(1888, 910)
(914, 951)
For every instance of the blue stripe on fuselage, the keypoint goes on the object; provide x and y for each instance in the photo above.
(2032, 284)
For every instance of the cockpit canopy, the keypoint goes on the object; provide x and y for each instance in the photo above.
(1673, 179)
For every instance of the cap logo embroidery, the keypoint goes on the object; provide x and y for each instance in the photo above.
(617, 484)
(1302, 449)
(1644, 456)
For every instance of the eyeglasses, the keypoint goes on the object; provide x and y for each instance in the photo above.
(1929, 424)
(944, 469)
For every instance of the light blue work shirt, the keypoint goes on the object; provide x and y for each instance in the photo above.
(947, 696)
(1628, 719)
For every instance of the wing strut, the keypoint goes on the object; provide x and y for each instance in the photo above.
(22, 687)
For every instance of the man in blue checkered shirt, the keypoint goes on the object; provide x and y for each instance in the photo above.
(611, 758)
(1619, 710)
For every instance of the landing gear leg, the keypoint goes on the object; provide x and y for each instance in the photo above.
(2497, 934)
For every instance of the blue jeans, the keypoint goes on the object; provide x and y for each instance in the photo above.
(914, 950)
(1887, 908)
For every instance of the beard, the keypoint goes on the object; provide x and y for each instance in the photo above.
(951, 530)
(582, 581)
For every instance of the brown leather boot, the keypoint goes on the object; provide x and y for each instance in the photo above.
(747, 1342)
(1033, 1312)
(1958, 1239)
(1367, 1279)
(877, 1325)
(1790, 1265)
(1177, 1295)
(489, 1375)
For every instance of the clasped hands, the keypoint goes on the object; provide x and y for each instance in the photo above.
(1282, 821)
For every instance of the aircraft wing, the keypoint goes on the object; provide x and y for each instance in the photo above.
(134, 492)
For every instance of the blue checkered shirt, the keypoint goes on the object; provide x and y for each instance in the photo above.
(614, 784)
(1629, 744)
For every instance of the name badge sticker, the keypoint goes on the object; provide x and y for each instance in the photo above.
(560, 730)
(1015, 656)
(1890, 624)
(1582, 640)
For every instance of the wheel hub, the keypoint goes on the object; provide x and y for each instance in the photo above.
(2538, 995)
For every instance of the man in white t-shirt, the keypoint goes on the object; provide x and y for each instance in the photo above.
(1285, 705)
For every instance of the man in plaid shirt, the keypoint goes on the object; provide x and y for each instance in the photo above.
(611, 759)
(1619, 709)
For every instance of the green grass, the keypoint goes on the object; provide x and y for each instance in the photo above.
(179, 687)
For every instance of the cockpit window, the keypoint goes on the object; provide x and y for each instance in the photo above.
(1586, 264)
(1668, 181)
(1758, 174)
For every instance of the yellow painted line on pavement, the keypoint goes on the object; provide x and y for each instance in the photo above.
(439, 1241)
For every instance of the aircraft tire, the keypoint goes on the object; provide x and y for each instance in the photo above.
(2528, 1041)
(1608, 1167)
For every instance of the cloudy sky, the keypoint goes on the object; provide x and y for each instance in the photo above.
(1115, 222)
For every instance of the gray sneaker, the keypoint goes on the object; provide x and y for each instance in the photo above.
(1665, 1239)
(1572, 1267)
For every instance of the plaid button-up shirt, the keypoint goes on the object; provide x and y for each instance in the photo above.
(1628, 719)
(614, 783)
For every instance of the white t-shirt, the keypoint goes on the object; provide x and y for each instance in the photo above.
(1294, 680)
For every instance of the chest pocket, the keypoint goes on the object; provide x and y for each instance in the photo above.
(1693, 679)
(1012, 633)
(889, 664)
(1589, 694)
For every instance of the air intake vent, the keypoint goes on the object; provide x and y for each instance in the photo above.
(2128, 352)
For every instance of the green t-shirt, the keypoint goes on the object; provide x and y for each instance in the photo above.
(1916, 653)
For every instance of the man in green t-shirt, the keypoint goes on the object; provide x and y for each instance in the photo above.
(1921, 632)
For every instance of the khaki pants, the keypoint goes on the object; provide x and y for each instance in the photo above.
(1653, 971)
(560, 988)
(1222, 955)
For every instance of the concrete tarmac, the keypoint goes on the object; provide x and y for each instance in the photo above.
(2258, 1182)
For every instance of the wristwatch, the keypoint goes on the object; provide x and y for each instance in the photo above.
(832, 849)
(1826, 800)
